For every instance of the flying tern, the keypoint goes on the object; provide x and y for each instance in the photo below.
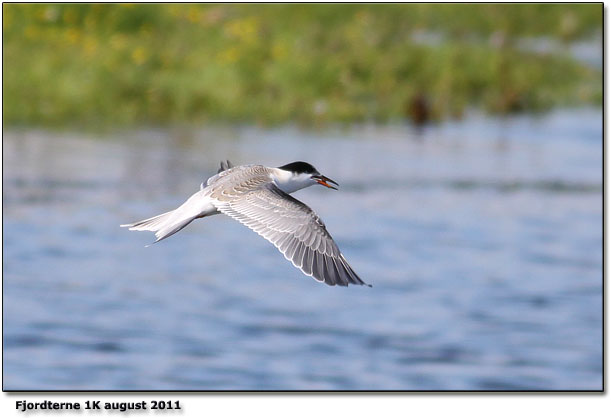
(259, 197)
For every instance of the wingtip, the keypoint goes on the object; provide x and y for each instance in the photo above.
(154, 242)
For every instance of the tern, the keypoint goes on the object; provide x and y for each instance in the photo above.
(259, 197)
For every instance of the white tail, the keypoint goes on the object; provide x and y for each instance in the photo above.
(169, 223)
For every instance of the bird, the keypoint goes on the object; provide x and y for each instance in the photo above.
(259, 197)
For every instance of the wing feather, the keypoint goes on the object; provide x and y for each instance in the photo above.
(287, 223)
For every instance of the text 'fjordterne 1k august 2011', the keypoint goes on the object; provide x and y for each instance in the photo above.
(25, 406)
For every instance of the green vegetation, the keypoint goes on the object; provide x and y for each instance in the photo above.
(110, 64)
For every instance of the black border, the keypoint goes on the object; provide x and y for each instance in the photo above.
(13, 393)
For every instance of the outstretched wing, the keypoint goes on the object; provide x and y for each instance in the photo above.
(292, 227)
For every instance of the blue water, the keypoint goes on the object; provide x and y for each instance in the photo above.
(482, 239)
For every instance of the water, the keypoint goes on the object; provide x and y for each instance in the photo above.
(482, 240)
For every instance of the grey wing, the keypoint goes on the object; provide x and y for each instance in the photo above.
(293, 228)
(223, 171)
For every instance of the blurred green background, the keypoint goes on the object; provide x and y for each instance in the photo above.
(100, 65)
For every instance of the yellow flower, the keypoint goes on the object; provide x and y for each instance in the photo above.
(90, 46)
(139, 55)
(193, 14)
(31, 32)
(229, 56)
(244, 29)
(72, 35)
(279, 50)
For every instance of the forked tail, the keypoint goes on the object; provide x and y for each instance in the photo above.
(169, 223)
(163, 225)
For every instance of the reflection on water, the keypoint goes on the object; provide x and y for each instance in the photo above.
(482, 240)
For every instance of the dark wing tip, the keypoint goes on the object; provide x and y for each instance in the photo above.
(337, 272)
(352, 276)
(225, 165)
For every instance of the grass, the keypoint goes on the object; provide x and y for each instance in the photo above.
(96, 65)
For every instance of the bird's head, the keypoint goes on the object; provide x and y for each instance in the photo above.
(298, 175)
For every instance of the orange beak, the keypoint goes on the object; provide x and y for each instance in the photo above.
(320, 179)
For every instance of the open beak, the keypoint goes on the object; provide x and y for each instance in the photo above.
(320, 179)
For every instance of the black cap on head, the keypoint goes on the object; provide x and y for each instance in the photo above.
(299, 167)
